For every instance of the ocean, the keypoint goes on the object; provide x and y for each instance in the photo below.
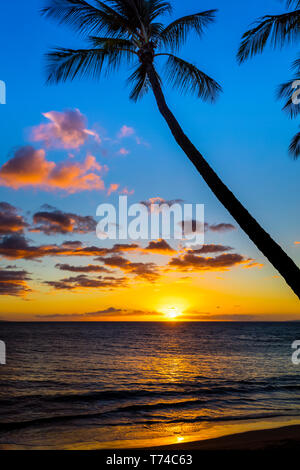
(118, 385)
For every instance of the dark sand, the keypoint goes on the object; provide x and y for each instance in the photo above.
(287, 437)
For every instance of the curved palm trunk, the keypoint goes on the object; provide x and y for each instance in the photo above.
(272, 251)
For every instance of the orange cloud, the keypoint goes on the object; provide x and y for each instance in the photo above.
(113, 188)
(29, 167)
(82, 281)
(62, 222)
(17, 247)
(125, 131)
(127, 192)
(123, 151)
(13, 282)
(223, 262)
(160, 247)
(10, 221)
(66, 130)
(148, 271)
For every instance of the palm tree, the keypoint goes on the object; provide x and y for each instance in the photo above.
(130, 32)
(278, 30)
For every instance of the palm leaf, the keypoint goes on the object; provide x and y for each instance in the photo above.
(292, 3)
(68, 64)
(174, 35)
(157, 8)
(112, 43)
(140, 82)
(149, 9)
(86, 18)
(296, 65)
(131, 30)
(280, 29)
(294, 148)
(131, 10)
(285, 92)
(189, 79)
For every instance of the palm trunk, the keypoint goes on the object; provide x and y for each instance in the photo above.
(272, 251)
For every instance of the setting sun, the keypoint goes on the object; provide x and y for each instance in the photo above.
(172, 313)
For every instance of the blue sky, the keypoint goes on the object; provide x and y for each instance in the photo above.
(244, 136)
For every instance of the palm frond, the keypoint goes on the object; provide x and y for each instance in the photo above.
(278, 29)
(68, 64)
(141, 13)
(292, 3)
(112, 43)
(132, 10)
(115, 51)
(189, 79)
(296, 65)
(130, 29)
(140, 82)
(174, 35)
(157, 8)
(87, 19)
(155, 30)
(294, 148)
(286, 92)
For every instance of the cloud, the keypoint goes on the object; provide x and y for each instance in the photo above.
(146, 271)
(196, 226)
(105, 314)
(221, 227)
(112, 312)
(205, 249)
(82, 281)
(56, 221)
(120, 248)
(13, 282)
(29, 168)
(107, 311)
(191, 262)
(66, 130)
(10, 221)
(126, 191)
(153, 204)
(90, 268)
(192, 226)
(17, 247)
(124, 151)
(159, 247)
(112, 188)
(125, 131)
(252, 264)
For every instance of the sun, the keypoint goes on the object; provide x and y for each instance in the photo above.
(172, 313)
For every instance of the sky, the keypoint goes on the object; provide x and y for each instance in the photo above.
(53, 267)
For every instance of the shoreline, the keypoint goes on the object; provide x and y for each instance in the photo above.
(285, 437)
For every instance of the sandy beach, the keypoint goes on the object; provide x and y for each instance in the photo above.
(287, 437)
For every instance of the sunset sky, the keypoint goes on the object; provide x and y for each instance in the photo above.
(66, 149)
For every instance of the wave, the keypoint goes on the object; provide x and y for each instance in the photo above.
(242, 388)
(40, 422)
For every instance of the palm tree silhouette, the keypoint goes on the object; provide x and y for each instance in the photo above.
(278, 30)
(130, 32)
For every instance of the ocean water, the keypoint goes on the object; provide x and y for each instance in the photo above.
(113, 385)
